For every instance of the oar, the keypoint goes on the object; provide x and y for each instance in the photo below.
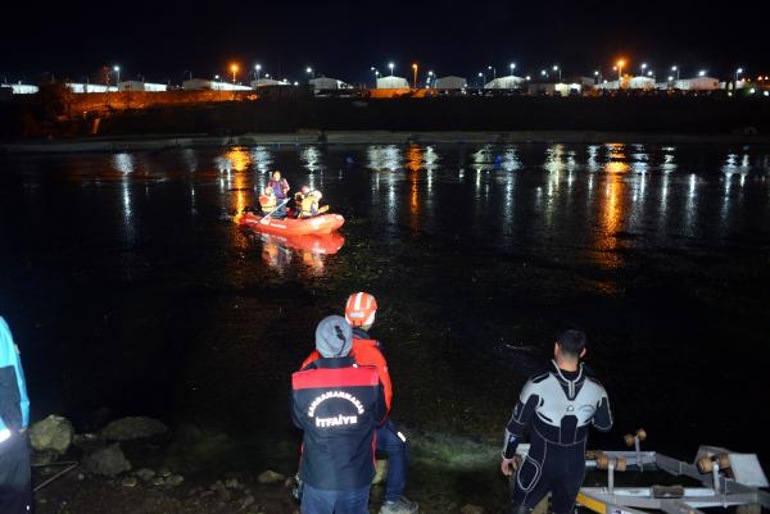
(273, 211)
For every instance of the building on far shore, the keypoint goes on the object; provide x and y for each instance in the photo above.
(136, 85)
(268, 83)
(21, 89)
(697, 84)
(327, 84)
(450, 83)
(638, 83)
(392, 82)
(508, 82)
(212, 85)
(77, 87)
(554, 89)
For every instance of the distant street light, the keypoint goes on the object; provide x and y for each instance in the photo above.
(257, 70)
(543, 73)
(513, 67)
(431, 78)
(116, 69)
(391, 66)
(677, 70)
(644, 66)
(414, 71)
(309, 71)
(702, 73)
(216, 77)
(493, 70)
(738, 73)
(528, 77)
(483, 78)
(670, 78)
(234, 70)
(557, 69)
(620, 65)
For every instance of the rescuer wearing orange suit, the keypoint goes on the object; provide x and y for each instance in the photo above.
(360, 312)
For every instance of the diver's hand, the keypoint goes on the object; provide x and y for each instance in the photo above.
(509, 466)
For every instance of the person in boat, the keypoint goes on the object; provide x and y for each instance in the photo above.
(360, 313)
(15, 471)
(557, 408)
(299, 196)
(311, 205)
(267, 200)
(280, 186)
(338, 405)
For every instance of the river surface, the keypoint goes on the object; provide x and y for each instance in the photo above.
(129, 292)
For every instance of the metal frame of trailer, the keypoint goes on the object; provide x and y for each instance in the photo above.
(743, 487)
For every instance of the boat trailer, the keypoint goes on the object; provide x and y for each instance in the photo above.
(728, 479)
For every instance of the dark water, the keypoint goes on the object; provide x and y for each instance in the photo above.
(128, 294)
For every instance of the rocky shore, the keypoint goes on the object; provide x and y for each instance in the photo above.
(137, 465)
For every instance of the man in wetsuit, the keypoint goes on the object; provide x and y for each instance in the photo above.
(556, 408)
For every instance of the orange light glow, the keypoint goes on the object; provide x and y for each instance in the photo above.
(234, 68)
(621, 63)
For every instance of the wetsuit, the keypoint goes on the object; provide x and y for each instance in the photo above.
(556, 408)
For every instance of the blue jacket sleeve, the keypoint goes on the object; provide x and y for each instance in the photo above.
(14, 404)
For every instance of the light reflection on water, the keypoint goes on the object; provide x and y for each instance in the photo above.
(597, 199)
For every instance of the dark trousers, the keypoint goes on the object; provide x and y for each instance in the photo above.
(388, 441)
(549, 468)
(15, 476)
(317, 501)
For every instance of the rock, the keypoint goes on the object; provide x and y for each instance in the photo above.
(248, 502)
(233, 483)
(145, 474)
(174, 480)
(472, 509)
(107, 461)
(39, 459)
(135, 427)
(380, 471)
(53, 434)
(158, 481)
(270, 477)
(165, 472)
(129, 482)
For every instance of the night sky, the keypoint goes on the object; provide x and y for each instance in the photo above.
(343, 39)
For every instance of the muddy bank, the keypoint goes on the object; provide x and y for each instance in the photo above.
(162, 142)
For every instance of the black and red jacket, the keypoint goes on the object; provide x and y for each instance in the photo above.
(338, 405)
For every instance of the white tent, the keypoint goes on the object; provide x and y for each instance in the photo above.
(267, 82)
(645, 83)
(697, 84)
(136, 85)
(451, 82)
(90, 88)
(211, 85)
(326, 83)
(392, 82)
(509, 82)
(21, 89)
(553, 89)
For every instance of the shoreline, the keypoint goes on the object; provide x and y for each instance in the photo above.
(165, 142)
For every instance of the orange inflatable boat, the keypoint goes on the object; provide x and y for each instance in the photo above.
(323, 224)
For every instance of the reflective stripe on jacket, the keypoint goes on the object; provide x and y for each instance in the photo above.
(366, 352)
